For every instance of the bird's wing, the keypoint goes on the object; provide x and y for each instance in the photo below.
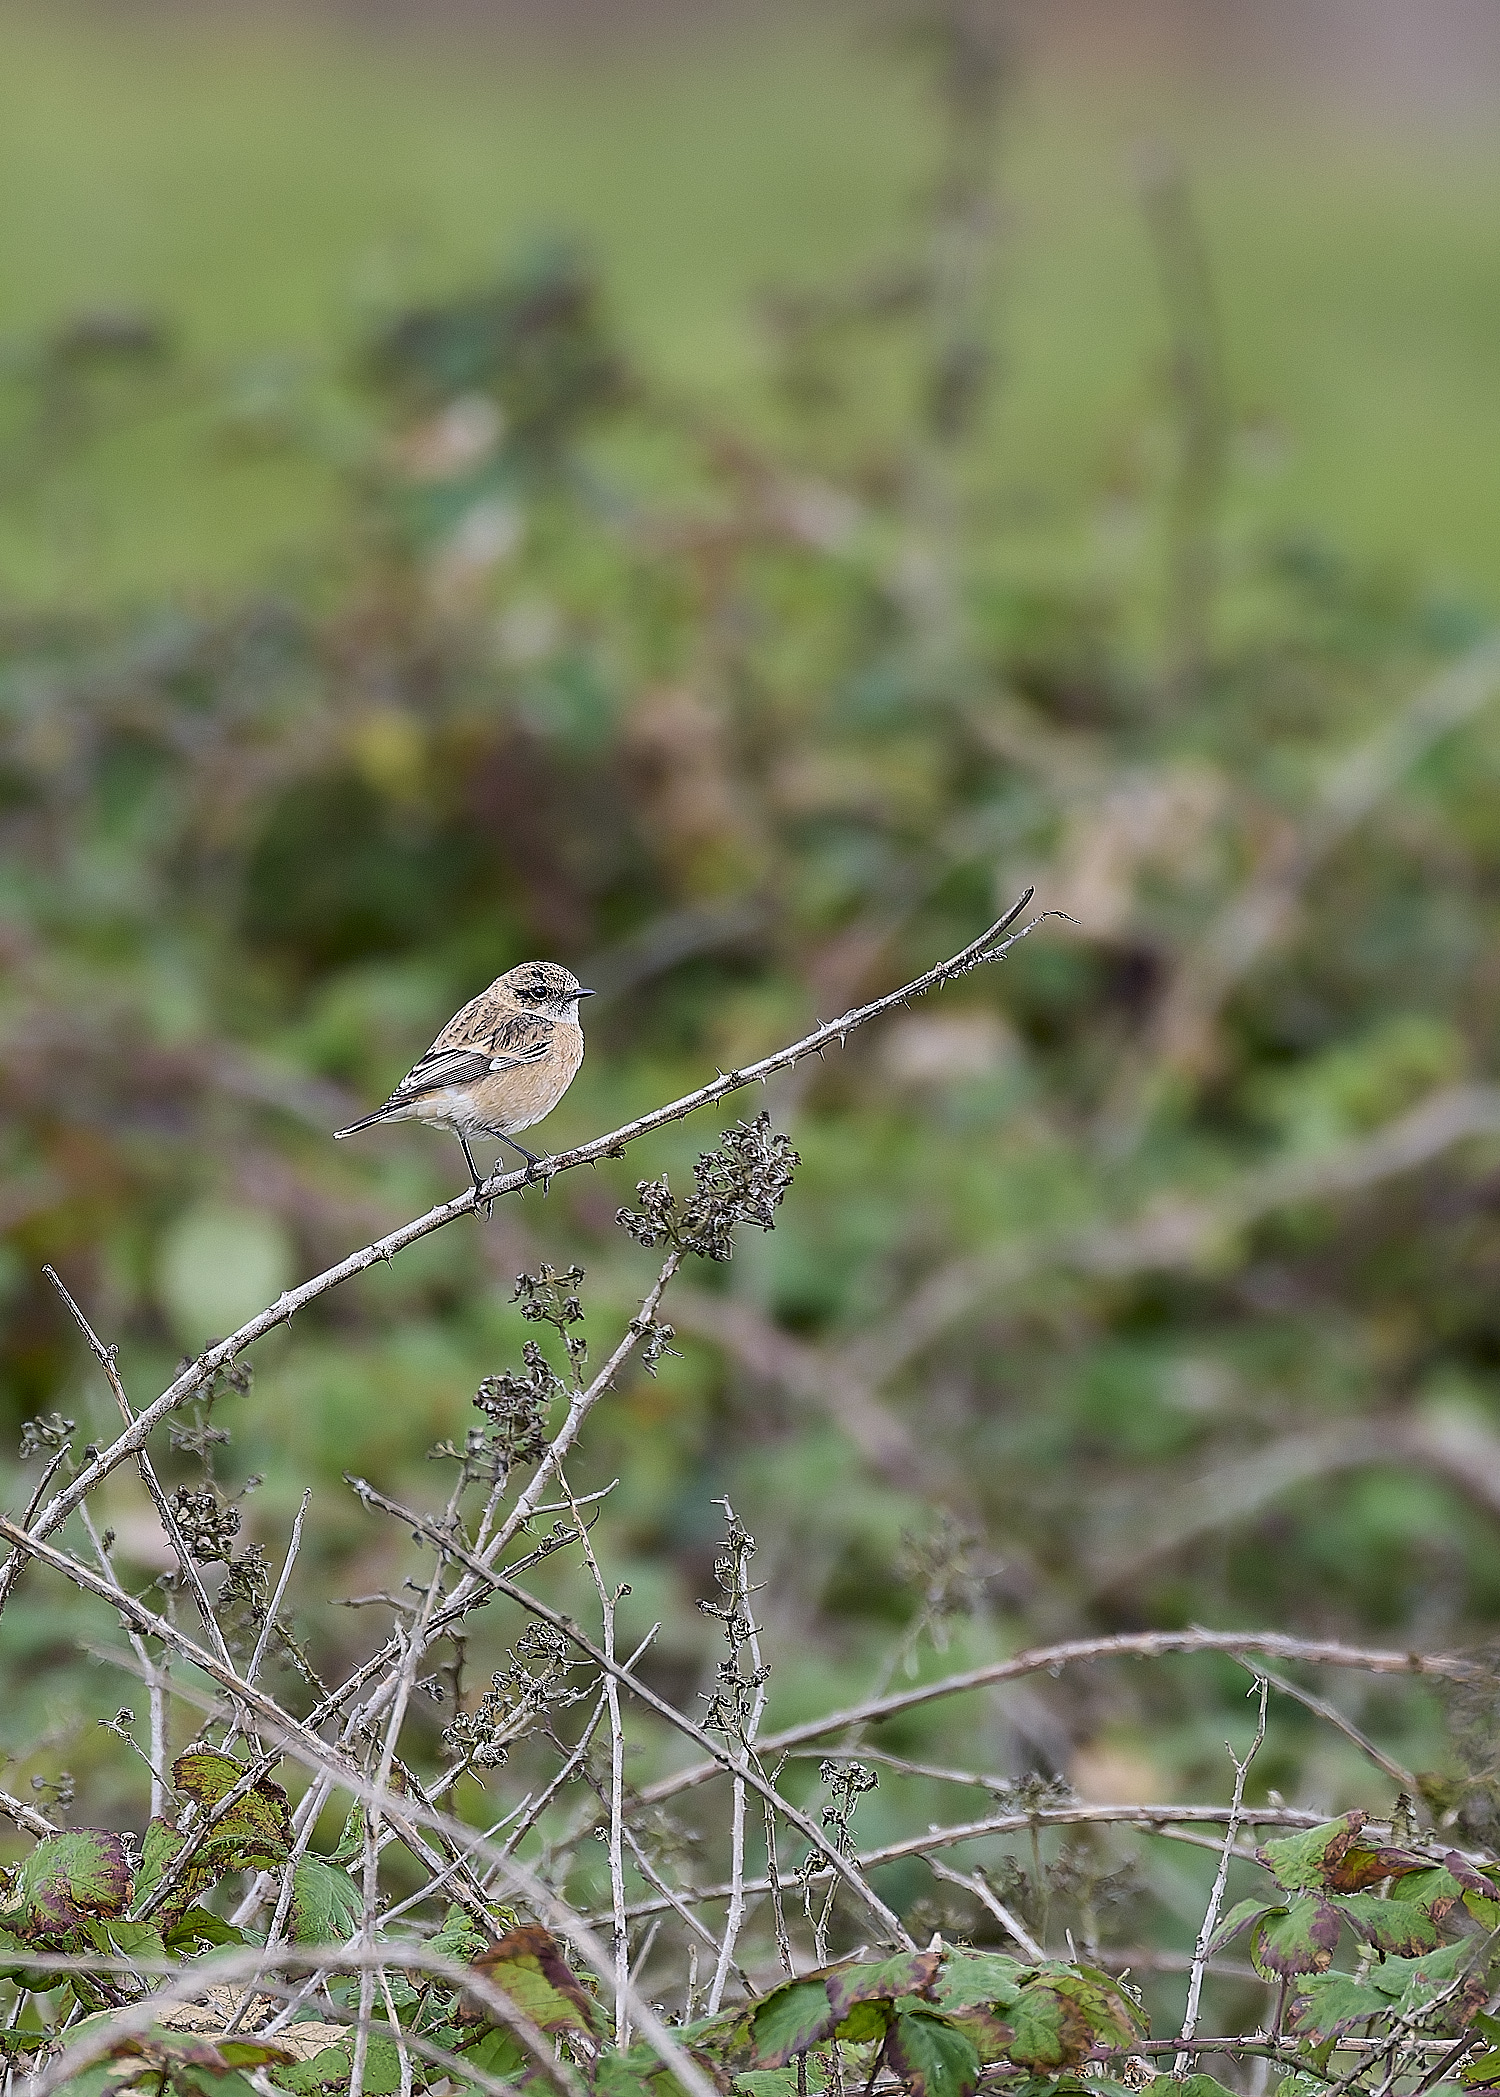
(440, 1067)
(519, 1038)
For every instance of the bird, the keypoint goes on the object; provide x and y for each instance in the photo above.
(499, 1065)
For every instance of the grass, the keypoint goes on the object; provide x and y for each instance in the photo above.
(268, 181)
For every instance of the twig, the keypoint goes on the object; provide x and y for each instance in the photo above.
(723, 1759)
(988, 1898)
(294, 1545)
(105, 1356)
(1136, 1645)
(990, 946)
(740, 1619)
(411, 1815)
(607, 1603)
(1221, 1879)
(27, 1817)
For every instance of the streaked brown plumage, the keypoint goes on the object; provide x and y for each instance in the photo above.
(499, 1065)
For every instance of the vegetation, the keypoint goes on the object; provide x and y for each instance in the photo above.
(1141, 1284)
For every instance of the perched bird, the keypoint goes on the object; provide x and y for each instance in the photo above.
(499, 1065)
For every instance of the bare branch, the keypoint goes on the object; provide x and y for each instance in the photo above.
(990, 946)
(1129, 1645)
(1221, 1879)
(722, 1757)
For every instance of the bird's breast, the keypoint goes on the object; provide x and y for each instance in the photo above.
(511, 1100)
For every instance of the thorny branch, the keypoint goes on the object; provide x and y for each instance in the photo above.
(990, 946)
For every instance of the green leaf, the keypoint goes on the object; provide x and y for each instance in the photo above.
(865, 2022)
(528, 1964)
(1434, 1891)
(14, 1952)
(1051, 2030)
(779, 2082)
(207, 1777)
(931, 2058)
(1390, 1925)
(67, 1878)
(1297, 1939)
(882, 1980)
(1331, 2002)
(789, 2020)
(332, 2067)
(495, 2052)
(985, 2029)
(126, 1940)
(1242, 1912)
(201, 1926)
(1203, 2086)
(326, 1905)
(639, 2073)
(1333, 1859)
(351, 1843)
(1481, 2070)
(986, 1977)
(458, 1939)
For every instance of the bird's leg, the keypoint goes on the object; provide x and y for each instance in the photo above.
(489, 1207)
(533, 1162)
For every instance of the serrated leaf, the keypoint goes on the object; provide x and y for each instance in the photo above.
(1390, 1925)
(1481, 2071)
(1296, 1939)
(789, 2020)
(201, 1926)
(1243, 1912)
(640, 2073)
(207, 1777)
(1332, 2002)
(1050, 2029)
(326, 1905)
(779, 2082)
(68, 1877)
(881, 1980)
(973, 1977)
(930, 2056)
(1203, 2086)
(1334, 1859)
(127, 1940)
(985, 2029)
(494, 2052)
(528, 1964)
(865, 2022)
(351, 1843)
(1110, 2017)
(1435, 1891)
(459, 1939)
(331, 2069)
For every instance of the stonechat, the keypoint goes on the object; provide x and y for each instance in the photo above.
(499, 1065)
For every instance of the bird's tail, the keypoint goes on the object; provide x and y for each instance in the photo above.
(368, 1122)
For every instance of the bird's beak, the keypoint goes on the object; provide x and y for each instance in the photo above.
(580, 992)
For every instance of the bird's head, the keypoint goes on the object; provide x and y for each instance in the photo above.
(544, 987)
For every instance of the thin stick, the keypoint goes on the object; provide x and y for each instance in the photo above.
(153, 1761)
(990, 946)
(411, 1815)
(607, 1603)
(988, 1898)
(1331, 1713)
(805, 1827)
(1130, 1645)
(105, 1356)
(739, 1598)
(1221, 1879)
(294, 1545)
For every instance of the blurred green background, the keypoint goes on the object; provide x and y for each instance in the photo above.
(725, 501)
